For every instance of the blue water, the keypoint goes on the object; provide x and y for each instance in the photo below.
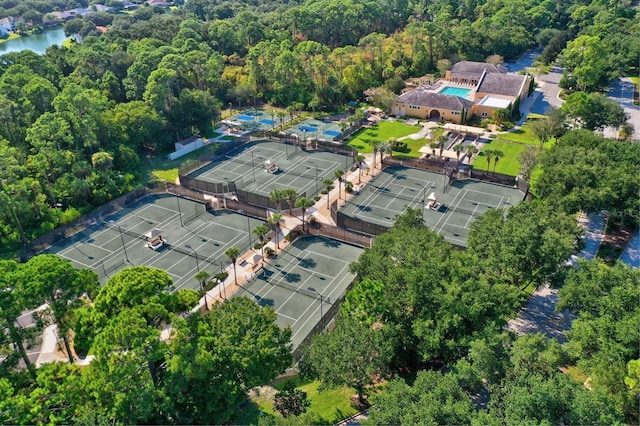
(455, 91)
(243, 117)
(36, 42)
(267, 121)
(332, 133)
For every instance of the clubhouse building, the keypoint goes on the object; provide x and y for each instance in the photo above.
(469, 89)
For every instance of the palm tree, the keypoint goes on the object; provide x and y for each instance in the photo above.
(328, 186)
(488, 153)
(291, 110)
(470, 151)
(290, 195)
(458, 150)
(233, 253)
(220, 277)
(433, 145)
(385, 148)
(277, 195)
(375, 144)
(442, 139)
(343, 126)
(339, 174)
(359, 160)
(281, 115)
(497, 155)
(273, 122)
(260, 231)
(202, 277)
(274, 222)
(304, 203)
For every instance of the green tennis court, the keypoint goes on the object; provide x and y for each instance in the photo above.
(303, 282)
(456, 204)
(194, 239)
(262, 166)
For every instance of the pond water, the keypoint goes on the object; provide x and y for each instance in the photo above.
(36, 42)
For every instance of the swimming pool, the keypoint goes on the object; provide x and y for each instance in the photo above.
(455, 91)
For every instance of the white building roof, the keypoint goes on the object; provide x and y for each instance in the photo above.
(495, 102)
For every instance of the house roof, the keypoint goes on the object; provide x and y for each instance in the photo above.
(470, 67)
(434, 100)
(501, 84)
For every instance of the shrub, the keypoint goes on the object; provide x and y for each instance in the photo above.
(268, 251)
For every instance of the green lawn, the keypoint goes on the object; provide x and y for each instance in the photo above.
(328, 406)
(159, 167)
(636, 80)
(384, 131)
(509, 164)
(413, 148)
(523, 135)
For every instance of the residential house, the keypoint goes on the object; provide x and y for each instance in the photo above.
(469, 73)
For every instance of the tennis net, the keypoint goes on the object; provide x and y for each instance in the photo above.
(190, 216)
(294, 152)
(389, 193)
(290, 287)
(237, 160)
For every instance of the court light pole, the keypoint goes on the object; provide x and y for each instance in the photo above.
(321, 300)
(196, 253)
(253, 167)
(124, 246)
(248, 227)
(179, 211)
(316, 166)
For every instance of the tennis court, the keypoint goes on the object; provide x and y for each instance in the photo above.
(303, 282)
(315, 129)
(194, 239)
(457, 203)
(262, 166)
(253, 120)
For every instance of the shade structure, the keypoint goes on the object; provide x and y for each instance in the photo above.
(432, 196)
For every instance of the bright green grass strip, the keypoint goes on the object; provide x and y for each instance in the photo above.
(413, 148)
(331, 405)
(509, 164)
(384, 131)
(10, 37)
(161, 168)
(636, 80)
(523, 135)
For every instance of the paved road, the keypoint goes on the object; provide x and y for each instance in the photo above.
(548, 85)
(631, 255)
(539, 313)
(621, 91)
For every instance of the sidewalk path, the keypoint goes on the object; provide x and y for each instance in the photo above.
(539, 313)
(631, 255)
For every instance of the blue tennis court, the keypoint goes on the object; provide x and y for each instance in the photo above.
(267, 121)
(244, 117)
(315, 129)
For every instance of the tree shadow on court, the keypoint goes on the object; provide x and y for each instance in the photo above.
(308, 263)
(264, 302)
(292, 277)
(331, 243)
(363, 208)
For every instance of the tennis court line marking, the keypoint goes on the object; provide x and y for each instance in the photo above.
(331, 295)
(446, 217)
(305, 252)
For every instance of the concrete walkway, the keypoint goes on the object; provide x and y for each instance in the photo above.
(539, 313)
(631, 255)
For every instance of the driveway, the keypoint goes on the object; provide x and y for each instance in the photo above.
(621, 91)
(631, 255)
(539, 313)
(548, 86)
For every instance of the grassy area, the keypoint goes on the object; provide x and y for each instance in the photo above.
(328, 406)
(10, 37)
(509, 164)
(636, 80)
(413, 148)
(159, 167)
(523, 135)
(384, 131)
(576, 374)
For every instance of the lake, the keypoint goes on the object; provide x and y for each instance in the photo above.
(36, 42)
